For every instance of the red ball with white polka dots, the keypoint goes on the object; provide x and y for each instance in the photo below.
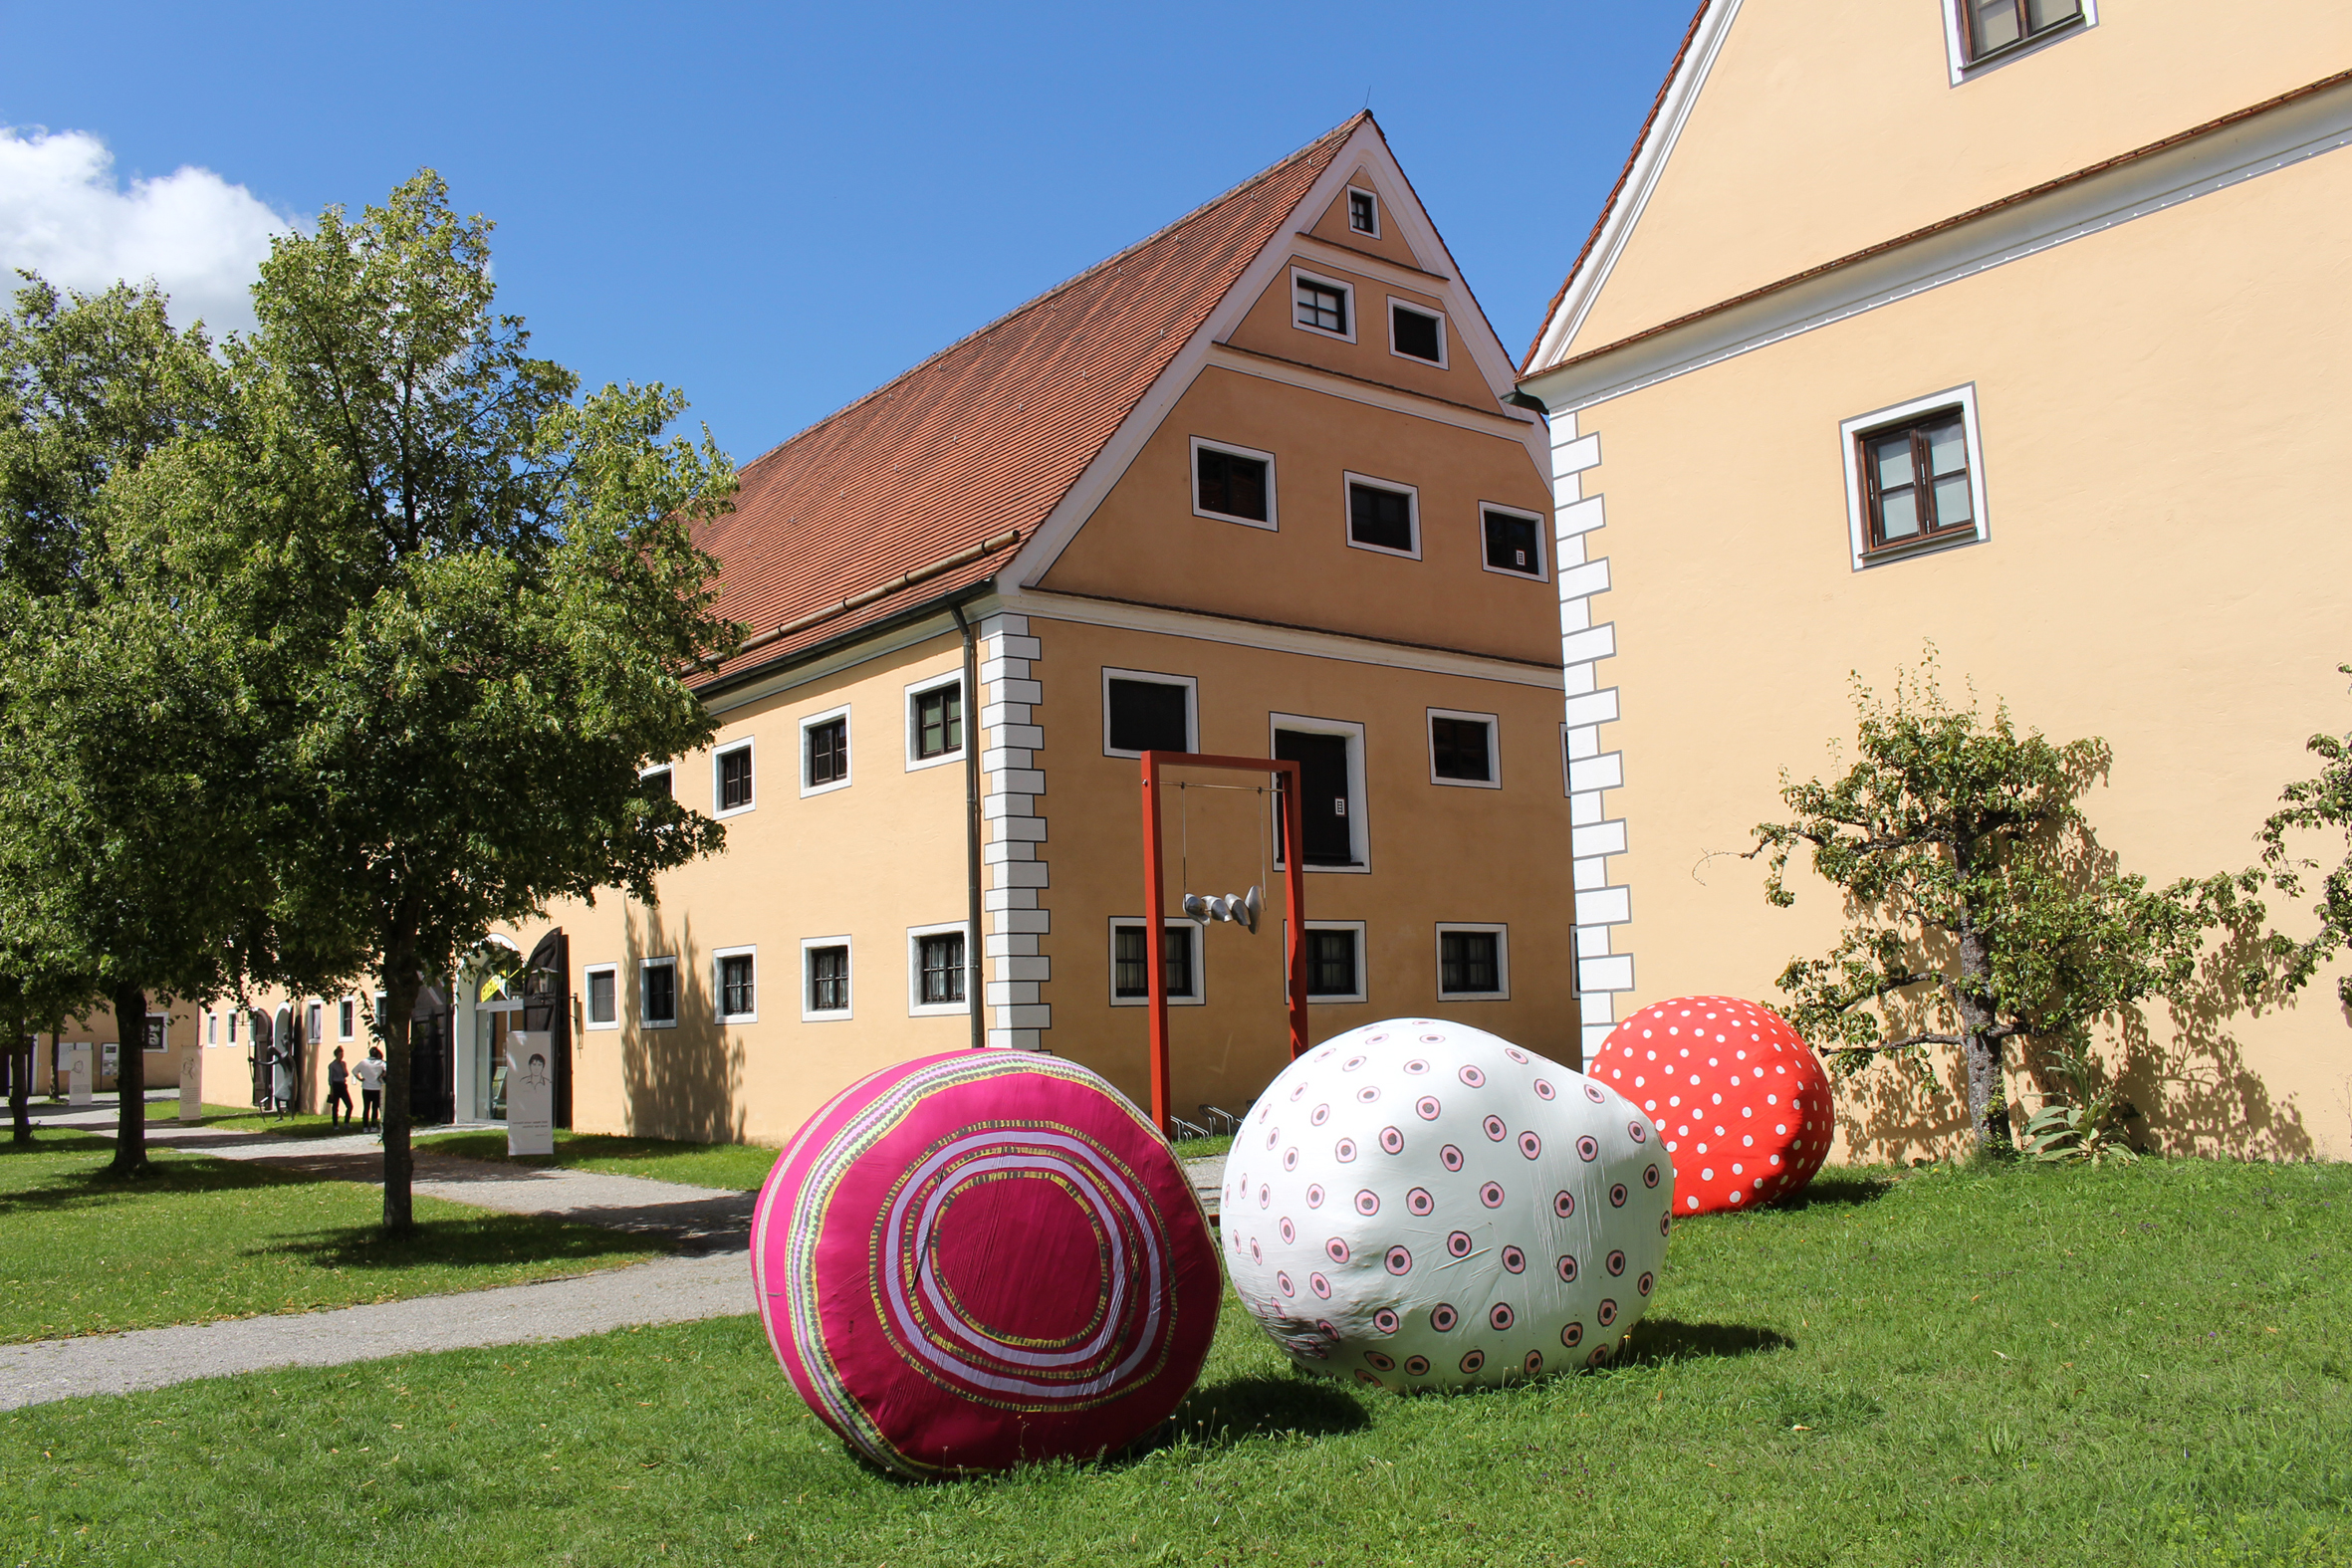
(1741, 1098)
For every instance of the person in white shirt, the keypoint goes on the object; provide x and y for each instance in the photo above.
(370, 1075)
(339, 1090)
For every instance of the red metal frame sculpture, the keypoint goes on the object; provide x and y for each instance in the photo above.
(1155, 890)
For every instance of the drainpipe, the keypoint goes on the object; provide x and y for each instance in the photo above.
(973, 971)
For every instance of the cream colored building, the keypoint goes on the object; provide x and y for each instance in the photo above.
(2096, 259)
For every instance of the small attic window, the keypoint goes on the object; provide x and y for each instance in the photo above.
(1363, 212)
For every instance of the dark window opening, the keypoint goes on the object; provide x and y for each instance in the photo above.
(828, 980)
(1512, 544)
(1462, 748)
(661, 992)
(735, 778)
(1363, 213)
(941, 960)
(1128, 976)
(939, 721)
(1995, 25)
(1232, 485)
(1322, 306)
(736, 997)
(655, 785)
(1416, 334)
(600, 1009)
(828, 752)
(1331, 964)
(343, 1020)
(1469, 963)
(1915, 482)
(1380, 516)
(1149, 716)
(1323, 795)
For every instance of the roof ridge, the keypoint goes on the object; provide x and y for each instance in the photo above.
(1338, 132)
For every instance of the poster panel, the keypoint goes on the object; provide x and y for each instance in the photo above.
(78, 1075)
(529, 1094)
(191, 1086)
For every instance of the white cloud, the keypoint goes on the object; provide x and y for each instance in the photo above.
(63, 215)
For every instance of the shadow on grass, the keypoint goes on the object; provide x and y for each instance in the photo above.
(98, 1186)
(1250, 1409)
(1659, 1341)
(488, 1241)
(1837, 1189)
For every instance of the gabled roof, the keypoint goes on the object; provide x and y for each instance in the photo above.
(928, 474)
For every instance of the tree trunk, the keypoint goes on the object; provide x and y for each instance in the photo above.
(20, 1075)
(1988, 1095)
(400, 1003)
(130, 1081)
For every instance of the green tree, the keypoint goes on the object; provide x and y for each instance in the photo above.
(1982, 910)
(473, 599)
(2317, 805)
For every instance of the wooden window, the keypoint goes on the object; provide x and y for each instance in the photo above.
(940, 963)
(1916, 482)
(737, 996)
(828, 980)
(939, 721)
(1230, 484)
(659, 992)
(601, 1003)
(1363, 212)
(1995, 25)
(1514, 543)
(1462, 748)
(1416, 334)
(1148, 716)
(1469, 963)
(1322, 306)
(1332, 963)
(828, 746)
(1380, 517)
(1128, 975)
(735, 778)
(1324, 795)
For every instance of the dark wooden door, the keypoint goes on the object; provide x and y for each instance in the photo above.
(1322, 794)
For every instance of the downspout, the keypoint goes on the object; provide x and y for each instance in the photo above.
(973, 971)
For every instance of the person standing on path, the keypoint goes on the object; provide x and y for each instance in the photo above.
(339, 1090)
(370, 1074)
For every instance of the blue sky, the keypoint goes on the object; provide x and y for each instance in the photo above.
(777, 208)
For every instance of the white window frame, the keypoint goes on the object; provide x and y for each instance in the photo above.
(1494, 748)
(916, 1006)
(1502, 934)
(1373, 232)
(809, 1015)
(670, 768)
(719, 754)
(314, 1020)
(211, 1029)
(1542, 571)
(677, 997)
(347, 1018)
(1200, 975)
(1442, 361)
(588, 973)
(1301, 275)
(719, 1011)
(1198, 444)
(1412, 495)
(1956, 42)
(1363, 977)
(924, 688)
(800, 751)
(1192, 704)
(1850, 434)
(1359, 826)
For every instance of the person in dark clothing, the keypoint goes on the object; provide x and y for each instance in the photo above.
(339, 1090)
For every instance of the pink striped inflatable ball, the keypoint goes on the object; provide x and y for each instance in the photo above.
(1418, 1204)
(1739, 1095)
(970, 1262)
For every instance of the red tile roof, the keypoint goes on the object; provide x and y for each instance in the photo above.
(983, 439)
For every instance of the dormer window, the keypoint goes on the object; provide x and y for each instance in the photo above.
(1363, 212)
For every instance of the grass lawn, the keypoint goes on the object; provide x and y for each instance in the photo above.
(199, 1238)
(2143, 1366)
(246, 1119)
(743, 1166)
(1202, 1148)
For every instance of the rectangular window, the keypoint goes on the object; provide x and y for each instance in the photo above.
(232, 1026)
(1995, 25)
(825, 752)
(1363, 212)
(1382, 516)
(935, 722)
(1322, 306)
(1232, 483)
(1461, 748)
(654, 784)
(1331, 785)
(735, 778)
(604, 1000)
(1473, 962)
(1918, 488)
(1515, 542)
(159, 1024)
(346, 1019)
(939, 970)
(1416, 334)
(658, 991)
(1142, 712)
(1335, 960)
(827, 960)
(1130, 982)
(737, 998)
(212, 1028)
(314, 1022)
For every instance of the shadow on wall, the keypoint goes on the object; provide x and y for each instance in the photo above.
(684, 1082)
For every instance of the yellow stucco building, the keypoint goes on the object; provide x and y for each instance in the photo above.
(2014, 326)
